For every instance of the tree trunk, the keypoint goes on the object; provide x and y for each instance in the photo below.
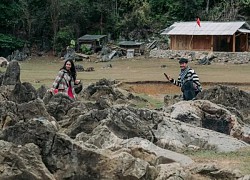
(54, 14)
(207, 6)
(101, 24)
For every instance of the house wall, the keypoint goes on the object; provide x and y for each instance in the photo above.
(235, 43)
(183, 42)
(137, 48)
(223, 43)
(201, 43)
(241, 42)
(95, 44)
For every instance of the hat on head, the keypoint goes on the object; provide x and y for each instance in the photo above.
(183, 60)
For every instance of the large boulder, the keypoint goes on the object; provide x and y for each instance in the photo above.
(203, 113)
(12, 113)
(12, 74)
(229, 97)
(22, 162)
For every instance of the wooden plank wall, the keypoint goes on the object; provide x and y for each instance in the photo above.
(238, 43)
(191, 42)
(202, 43)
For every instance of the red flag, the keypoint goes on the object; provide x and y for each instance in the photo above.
(198, 22)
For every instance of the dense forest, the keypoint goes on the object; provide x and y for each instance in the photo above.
(50, 24)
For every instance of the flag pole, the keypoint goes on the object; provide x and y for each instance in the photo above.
(198, 23)
(192, 38)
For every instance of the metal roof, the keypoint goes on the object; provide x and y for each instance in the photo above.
(207, 28)
(244, 30)
(89, 37)
(130, 43)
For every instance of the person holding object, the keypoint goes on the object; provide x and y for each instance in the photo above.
(188, 80)
(65, 80)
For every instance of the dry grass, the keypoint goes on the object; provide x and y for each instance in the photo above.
(42, 70)
(232, 160)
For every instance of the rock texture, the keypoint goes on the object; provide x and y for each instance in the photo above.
(103, 135)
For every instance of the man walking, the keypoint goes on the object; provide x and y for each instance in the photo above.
(188, 80)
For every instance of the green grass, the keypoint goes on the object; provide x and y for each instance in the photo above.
(152, 103)
(233, 160)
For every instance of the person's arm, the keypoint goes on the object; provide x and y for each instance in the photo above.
(177, 83)
(77, 81)
(195, 79)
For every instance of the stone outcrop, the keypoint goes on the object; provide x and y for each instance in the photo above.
(12, 74)
(102, 135)
(22, 162)
(230, 97)
(203, 113)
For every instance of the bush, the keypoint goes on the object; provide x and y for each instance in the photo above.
(85, 49)
(9, 43)
(63, 38)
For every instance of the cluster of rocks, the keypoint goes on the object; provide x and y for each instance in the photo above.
(3, 62)
(203, 57)
(102, 135)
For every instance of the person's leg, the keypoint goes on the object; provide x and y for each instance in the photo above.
(184, 97)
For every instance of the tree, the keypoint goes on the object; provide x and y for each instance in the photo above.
(54, 15)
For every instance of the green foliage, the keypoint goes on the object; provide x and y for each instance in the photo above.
(43, 21)
(63, 38)
(85, 49)
(10, 42)
(152, 102)
(134, 24)
(10, 14)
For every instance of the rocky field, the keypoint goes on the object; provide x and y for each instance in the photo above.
(104, 135)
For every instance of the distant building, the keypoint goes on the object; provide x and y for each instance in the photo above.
(132, 47)
(211, 36)
(95, 42)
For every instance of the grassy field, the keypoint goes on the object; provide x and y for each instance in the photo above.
(144, 75)
(43, 70)
(233, 160)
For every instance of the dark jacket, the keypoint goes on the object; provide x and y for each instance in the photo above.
(189, 82)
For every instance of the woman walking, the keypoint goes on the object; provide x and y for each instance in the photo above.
(65, 80)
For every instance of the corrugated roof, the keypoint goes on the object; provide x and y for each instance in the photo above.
(207, 28)
(91, 37)
(244, 30)
(130, 43)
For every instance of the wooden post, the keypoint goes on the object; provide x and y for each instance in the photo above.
(174, 42)
(191, 43)
(212, 43)
(234, 42)
(171, 42)
(247, 48)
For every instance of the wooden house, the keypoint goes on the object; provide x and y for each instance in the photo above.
(210, 36)
(95, 42)
(137, 47)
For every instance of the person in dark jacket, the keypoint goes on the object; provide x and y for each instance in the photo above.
(188, 80)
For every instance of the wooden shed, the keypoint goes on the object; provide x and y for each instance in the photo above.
(210, 36)
(137, 46)
(95, 42)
